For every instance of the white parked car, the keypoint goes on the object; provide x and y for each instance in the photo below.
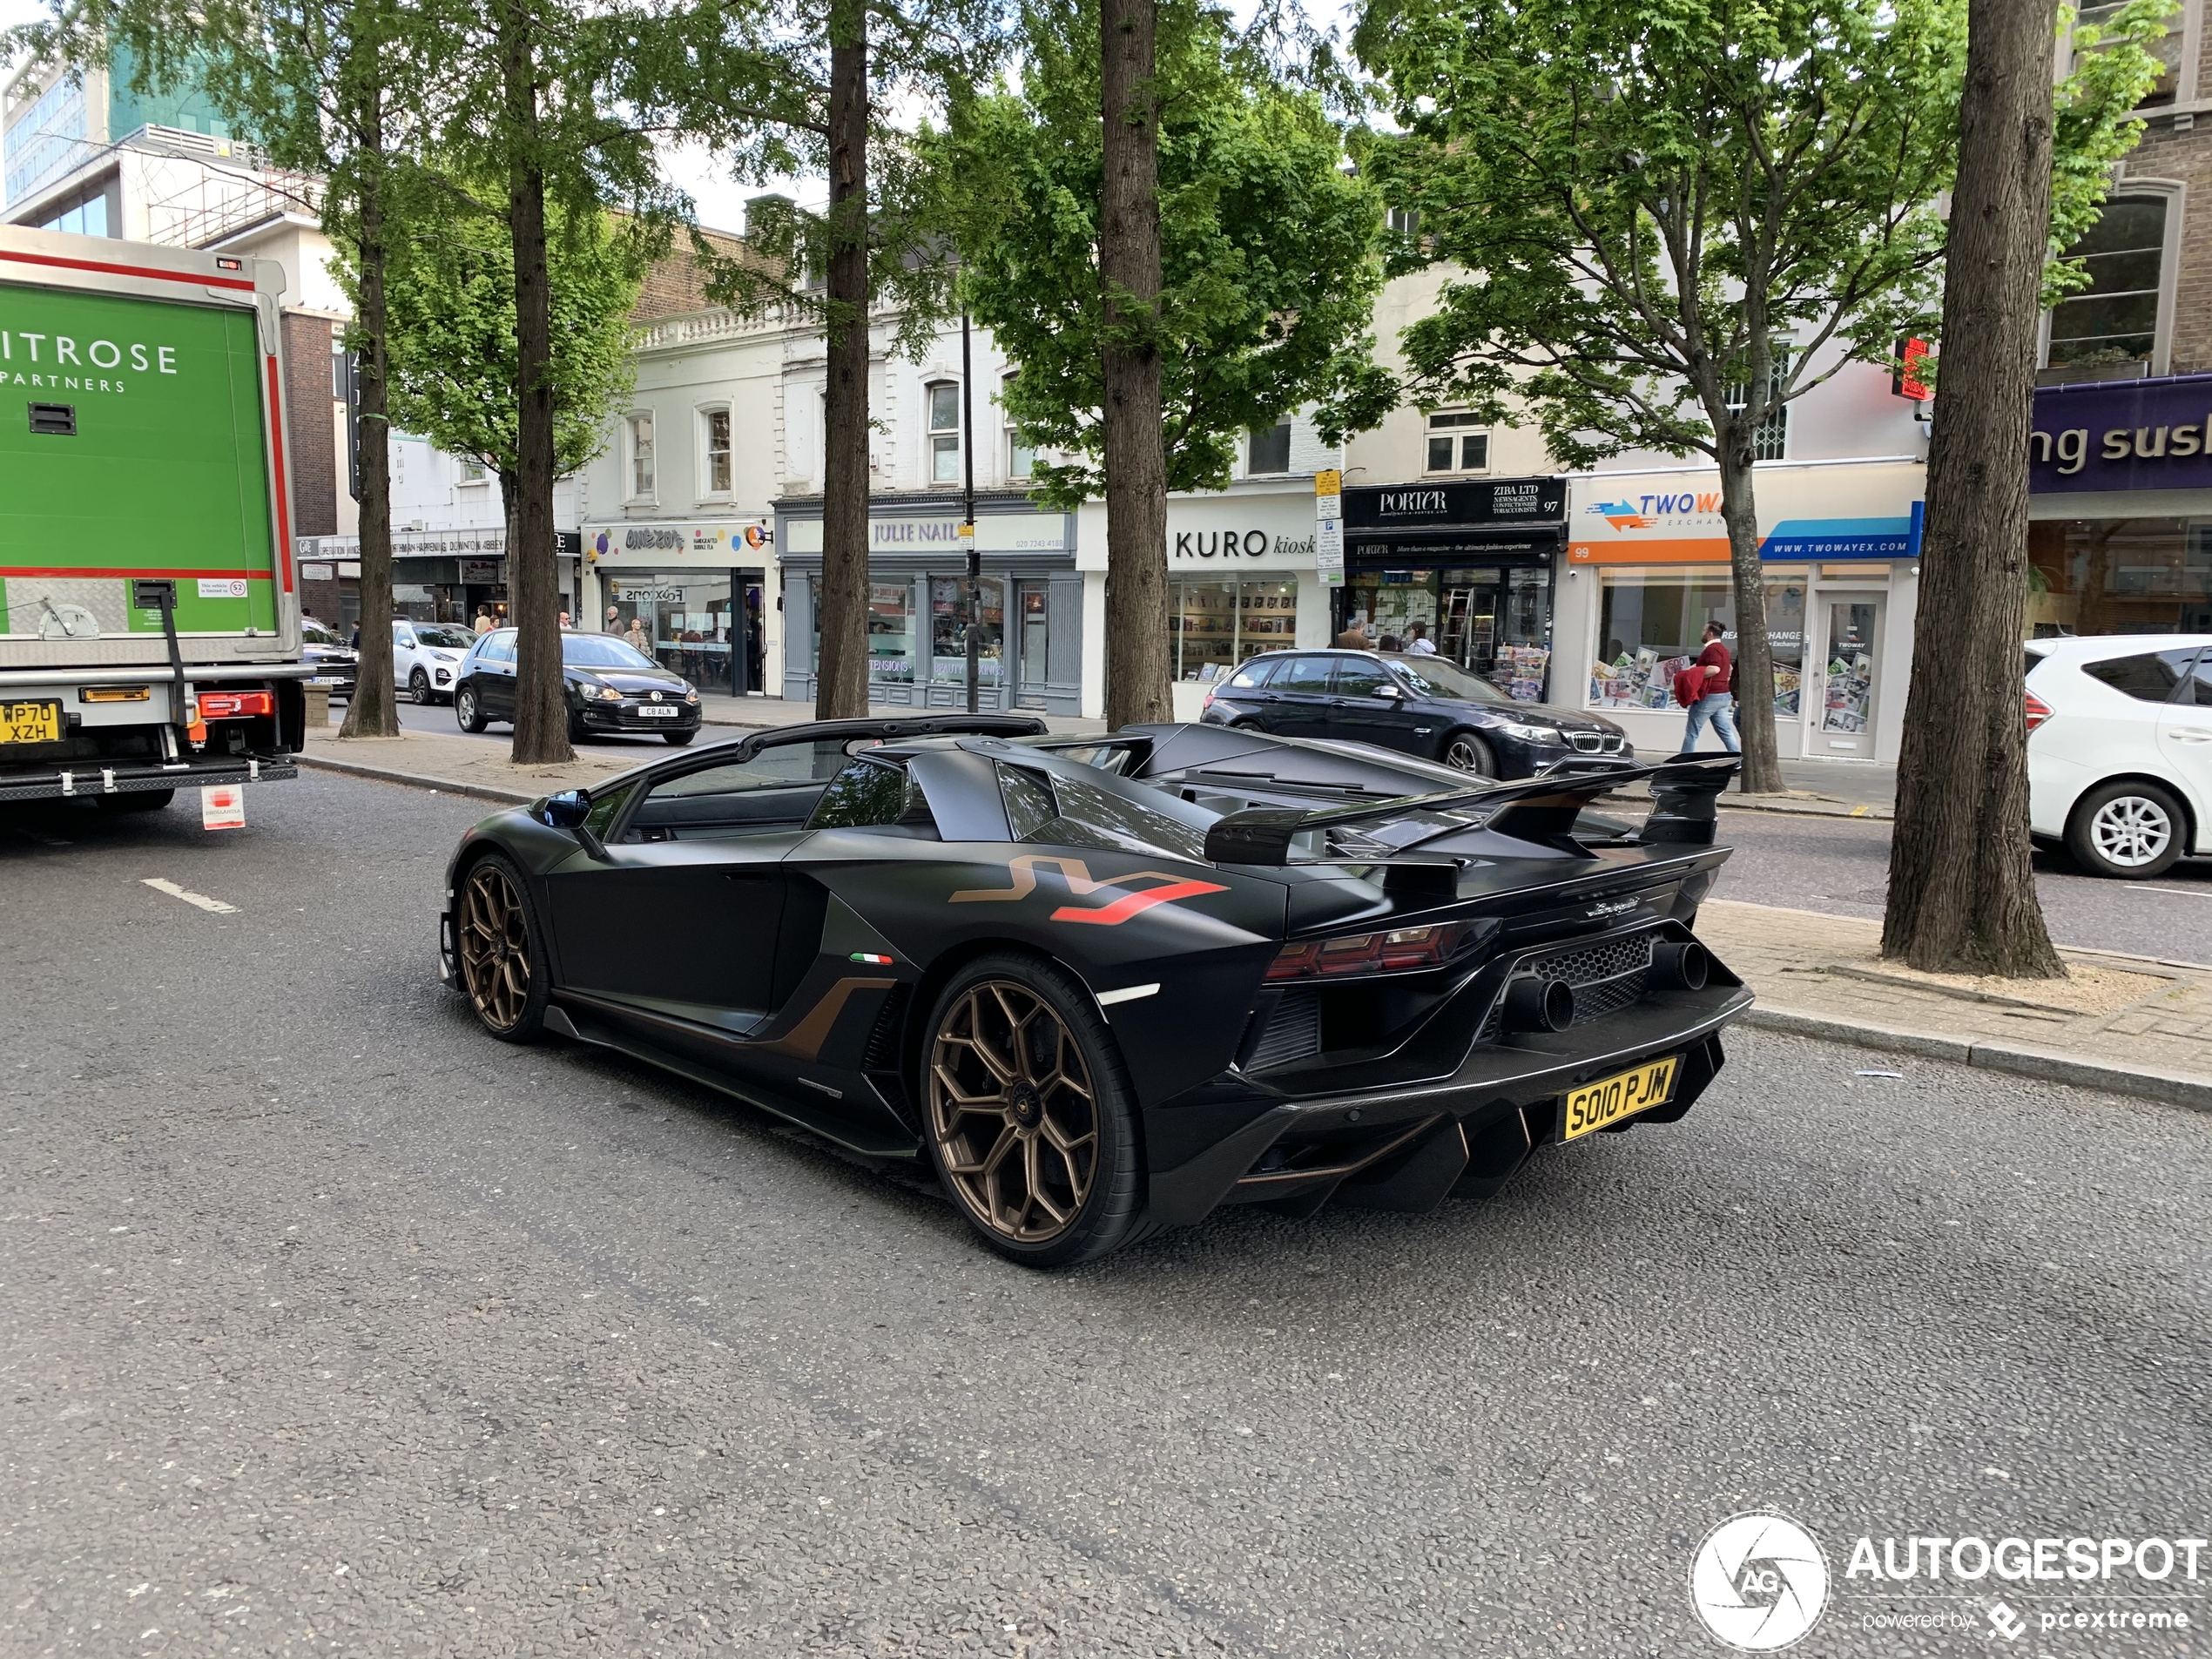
(426, 656)
(2120, 749)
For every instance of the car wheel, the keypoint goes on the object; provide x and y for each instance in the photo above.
(1031, 1121)
(138, 800)
(2128, 830)
(418, 687)
(502, 955)
(575, 726)
(679, 739)
(1464, 751)
(466, 711)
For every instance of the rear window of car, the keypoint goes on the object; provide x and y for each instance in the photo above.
(1308, 674)
(2149, 678)
(869, 795)
(1358, 678)
(1254, 674)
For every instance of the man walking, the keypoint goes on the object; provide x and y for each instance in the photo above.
(1715, 699)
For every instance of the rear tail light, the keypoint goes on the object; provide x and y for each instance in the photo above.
(1349, 954)
(235, 705)
(2038, 711)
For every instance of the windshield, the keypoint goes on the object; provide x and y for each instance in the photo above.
(315, 634)
(445, 638)
(1433, 676)
(596, 650)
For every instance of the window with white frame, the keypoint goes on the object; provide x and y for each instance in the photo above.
(641, 455)
(942, 403)
(1267, 449)
(714, 452)
(1021, 458)
(1405, 221)
(1452, 447)
(472, 469)
(2113, 321)
(2168, 48)
(1770, 438)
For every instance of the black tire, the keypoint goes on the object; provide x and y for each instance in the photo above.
(418, 687)
(1466, 752)
(469, 709)
(137, 800)
(2127, 830)
(678, 740)
(499, 947)
(575, 726)
(1012, 1006)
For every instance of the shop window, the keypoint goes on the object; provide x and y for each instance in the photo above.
(1267, 449)
(641, 457)
(1219, 624)
(1453, 448)
(1651, 626)
(2113, 321)
(714, 450)
(1021, 458)
(948, 629)
(2118, 576)
(890, 632)
(942, 399)
(1770, 438)
(2166, 49)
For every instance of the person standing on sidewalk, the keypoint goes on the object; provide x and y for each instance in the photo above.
(1717, 701)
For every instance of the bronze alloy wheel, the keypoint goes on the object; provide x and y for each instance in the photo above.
(495, 946)
(1013, 1113)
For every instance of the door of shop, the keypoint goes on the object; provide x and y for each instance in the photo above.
(1845, 675)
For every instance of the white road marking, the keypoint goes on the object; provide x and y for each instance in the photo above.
(216, 906)
(2193, 893)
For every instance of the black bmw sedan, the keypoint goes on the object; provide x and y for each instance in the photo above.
(1418, 705)
(611, 687)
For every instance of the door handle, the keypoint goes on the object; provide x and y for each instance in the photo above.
(2192, 734)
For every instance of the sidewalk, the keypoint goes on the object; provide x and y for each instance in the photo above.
(2123, 1023)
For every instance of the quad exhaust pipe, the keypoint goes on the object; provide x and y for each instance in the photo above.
(1680, 966)
(1533, 1003)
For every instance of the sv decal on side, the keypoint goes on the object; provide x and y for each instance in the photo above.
(1076, 874)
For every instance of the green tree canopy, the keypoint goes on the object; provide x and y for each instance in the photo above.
(1269, 245)
(1667, 218)
(451, 293)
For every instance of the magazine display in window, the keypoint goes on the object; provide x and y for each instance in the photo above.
(1520, 671)
(1643, 681)
(1849, 680)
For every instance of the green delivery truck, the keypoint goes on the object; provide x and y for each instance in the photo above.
(149, 613)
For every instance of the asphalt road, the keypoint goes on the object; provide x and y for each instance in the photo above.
(330, 1325)
(1841, 865)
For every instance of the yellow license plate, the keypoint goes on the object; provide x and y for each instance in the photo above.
(31, 723)
(1612, 1099)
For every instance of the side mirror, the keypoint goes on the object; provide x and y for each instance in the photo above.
(1390, 689)
(568, 809)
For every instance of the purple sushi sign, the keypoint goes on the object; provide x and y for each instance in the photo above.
(2122, 434)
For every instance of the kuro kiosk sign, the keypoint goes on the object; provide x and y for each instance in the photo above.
(1471, 559)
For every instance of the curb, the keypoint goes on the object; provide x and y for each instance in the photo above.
(2044, 1065)
(416, 780)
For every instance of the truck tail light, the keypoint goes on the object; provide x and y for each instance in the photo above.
(1349, 954)
(2038, 711)
(235, 705)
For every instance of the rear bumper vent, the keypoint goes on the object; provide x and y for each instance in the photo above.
(1293, 1032)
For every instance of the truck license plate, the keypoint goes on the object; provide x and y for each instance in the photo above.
(31, 723)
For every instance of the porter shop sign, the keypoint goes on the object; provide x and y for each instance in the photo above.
(2122, 434)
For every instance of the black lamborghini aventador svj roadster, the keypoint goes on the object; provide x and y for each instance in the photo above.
(1105, 984)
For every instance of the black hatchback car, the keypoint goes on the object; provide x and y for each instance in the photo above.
(611, 687)
(1419, 705)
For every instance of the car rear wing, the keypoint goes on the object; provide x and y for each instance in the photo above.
(889, 729)
(1540, 810)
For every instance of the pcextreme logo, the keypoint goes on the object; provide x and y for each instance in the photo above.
(1023, 872)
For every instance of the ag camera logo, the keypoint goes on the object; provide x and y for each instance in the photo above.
(1759, 1582)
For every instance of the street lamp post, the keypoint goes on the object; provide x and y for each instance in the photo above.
(968, 523)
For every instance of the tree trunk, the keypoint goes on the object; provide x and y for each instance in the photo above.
(1754, 674)
(1962, 892)
(841, 683)
(533, 583)
(1135, 449)
(373, 712)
